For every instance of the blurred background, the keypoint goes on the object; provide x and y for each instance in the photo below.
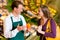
(30, 17)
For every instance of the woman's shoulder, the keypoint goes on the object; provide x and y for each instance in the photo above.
(52, 21)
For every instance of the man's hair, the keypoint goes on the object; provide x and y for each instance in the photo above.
(15, 4)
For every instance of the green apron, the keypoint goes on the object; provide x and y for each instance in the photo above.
(20, 35)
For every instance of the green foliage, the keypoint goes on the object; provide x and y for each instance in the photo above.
(29, 20)
(56, 5)
(57, 18)
(9, 2)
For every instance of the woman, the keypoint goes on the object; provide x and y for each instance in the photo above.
(14, 24)
(42, 23)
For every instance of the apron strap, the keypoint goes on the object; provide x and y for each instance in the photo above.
(12, 23)
(12, 20)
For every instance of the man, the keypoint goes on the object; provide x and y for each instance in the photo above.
(14, 24)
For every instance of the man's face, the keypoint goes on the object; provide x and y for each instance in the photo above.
(19, 9)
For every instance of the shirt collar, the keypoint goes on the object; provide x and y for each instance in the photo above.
(13, 15)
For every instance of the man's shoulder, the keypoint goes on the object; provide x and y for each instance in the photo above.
(8, 17)
(21, 16)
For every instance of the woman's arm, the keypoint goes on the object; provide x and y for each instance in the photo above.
(53, 30)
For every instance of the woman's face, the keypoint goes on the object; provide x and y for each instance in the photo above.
(40, 12)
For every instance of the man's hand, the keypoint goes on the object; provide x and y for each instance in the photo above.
(19, 28)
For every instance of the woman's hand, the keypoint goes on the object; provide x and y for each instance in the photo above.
(40, 30)
(40, 27)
